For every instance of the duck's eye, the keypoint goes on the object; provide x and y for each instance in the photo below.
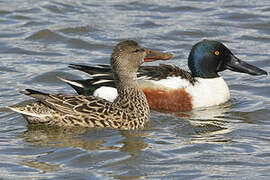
(138, 50)
(216, 53)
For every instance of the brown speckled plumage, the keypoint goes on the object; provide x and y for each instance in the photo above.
(129, 111)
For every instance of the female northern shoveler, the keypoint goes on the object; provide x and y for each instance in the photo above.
(169, 88)
(129, 110)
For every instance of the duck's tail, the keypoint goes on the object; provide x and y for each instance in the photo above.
(100, 76)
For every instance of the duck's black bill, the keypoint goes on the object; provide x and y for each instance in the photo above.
(237, 65)
(154, 55)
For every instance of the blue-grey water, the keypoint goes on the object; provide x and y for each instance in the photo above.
(38, 39)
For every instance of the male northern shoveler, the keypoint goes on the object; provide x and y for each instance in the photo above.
(169, 88)
(129, 110)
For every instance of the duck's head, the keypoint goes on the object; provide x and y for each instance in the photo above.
(207, 58)
(128, 55)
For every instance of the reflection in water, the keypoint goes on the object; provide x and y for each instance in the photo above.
(204, 124)
(130, 142)
(42, 166)
(133, 142)
(213, 137)
(207, 113)
(77, 138)
(210, 124)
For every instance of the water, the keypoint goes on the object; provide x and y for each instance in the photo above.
(38, 39)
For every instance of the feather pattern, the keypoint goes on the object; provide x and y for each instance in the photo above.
(129, 110)
(102, 74)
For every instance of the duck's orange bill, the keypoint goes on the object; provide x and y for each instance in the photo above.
(154, 55)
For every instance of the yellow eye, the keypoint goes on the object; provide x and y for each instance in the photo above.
(216, 53)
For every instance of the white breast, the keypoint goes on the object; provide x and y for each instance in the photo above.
(205, 92)
(209, 92)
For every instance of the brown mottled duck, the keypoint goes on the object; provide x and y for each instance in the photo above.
(129, 110)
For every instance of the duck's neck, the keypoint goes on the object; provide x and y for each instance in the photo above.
(127, 85)
(125, 79)
(130, 95)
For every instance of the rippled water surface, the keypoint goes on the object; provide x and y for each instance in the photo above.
(38, 39)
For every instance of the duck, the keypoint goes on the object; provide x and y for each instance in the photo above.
(169, 88)
(129, 110)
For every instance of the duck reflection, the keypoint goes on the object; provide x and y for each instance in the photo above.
(199, 125)
(206, 113)
(88, 139)
(42, 166)
(129, 143)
